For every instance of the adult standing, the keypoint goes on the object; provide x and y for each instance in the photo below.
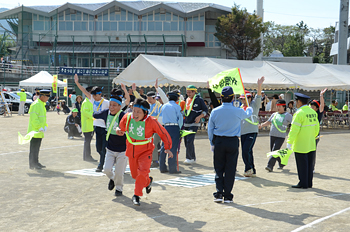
(78, 103)
(73, 97)
(173, 120)
(223, 135)
(264, 101)
(302, 140)
(37, 122)
(99, 104)
(22, 97)
(195, 110)
(87, 126)
(249, 129)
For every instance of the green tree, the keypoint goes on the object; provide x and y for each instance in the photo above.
(6, 43)
(319, 44)
(241, 31)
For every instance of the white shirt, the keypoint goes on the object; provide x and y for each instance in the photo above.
(104, 105)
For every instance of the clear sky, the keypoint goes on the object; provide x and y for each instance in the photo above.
(315, 13)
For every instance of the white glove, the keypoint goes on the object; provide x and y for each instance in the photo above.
(212, 148)
(41, 130)
(45, 129)
(289, 146)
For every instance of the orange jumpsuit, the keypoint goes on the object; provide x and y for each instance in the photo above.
(140, 156)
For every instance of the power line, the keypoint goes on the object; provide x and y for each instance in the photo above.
(301, 15)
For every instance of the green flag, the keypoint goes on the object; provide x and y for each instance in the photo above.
(183, 133)
(283, 154)
(26, 139)
(231, 77)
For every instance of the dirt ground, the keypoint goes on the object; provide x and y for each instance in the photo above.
(53, 200)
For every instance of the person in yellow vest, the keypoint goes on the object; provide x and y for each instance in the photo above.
(333, 106)
(345, 106)
(23, 98)
(37, 122)
(87, 126)
(302, 140)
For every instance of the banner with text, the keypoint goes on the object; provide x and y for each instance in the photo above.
(65, 88)
(231, 77)
(83, 71)
(54, 84)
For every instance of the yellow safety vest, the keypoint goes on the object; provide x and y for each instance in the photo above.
(305, 128)
(37, 119)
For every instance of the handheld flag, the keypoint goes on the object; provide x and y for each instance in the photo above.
(283, 154)
(26, 139)
(231, 77)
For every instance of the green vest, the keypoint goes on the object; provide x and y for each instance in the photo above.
(37, 119)
(22, 95)
(87, 121)
(304, 130)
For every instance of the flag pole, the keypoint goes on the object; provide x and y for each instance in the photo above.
(245, 96)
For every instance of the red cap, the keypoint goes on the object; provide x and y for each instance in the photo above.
(247, 93)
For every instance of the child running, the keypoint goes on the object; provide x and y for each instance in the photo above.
(116, 145)
(279, 122)
(139, 128)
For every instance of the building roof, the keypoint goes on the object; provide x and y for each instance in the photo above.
(184, 9)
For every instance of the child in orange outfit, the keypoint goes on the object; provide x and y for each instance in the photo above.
(139, 128)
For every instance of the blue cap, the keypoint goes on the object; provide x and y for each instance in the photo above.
(300, 95)
(227, 91)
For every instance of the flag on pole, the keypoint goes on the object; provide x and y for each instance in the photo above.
(231, 77)
(54, 84)
(65, 88)
(283, 154)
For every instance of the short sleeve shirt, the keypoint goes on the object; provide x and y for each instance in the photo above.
(104, 105)
(274, 132)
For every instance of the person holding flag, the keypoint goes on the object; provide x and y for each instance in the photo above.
(249, 128)
(223, 133)
(37, 123)
(302, 140)
(278, 131)
(139, 128)
(195, 110)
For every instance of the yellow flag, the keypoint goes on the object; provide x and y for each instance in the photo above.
(54, 84)
(26, 139)
(283, 154)
(231, 77)
(184, 133)
(65, 88)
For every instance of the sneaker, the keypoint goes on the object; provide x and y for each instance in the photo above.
(268, 169)
(118, 193)
(98, 169)
(111, 185)
(70, 137)
(189, 161)
(136, 200)
(149, 187)
(280, 167)
(226, 200)
(217, 197)
(248, 173)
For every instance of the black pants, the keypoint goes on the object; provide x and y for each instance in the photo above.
(275, 144)
(87, 147)
(189, 143)
(72, 131)
(34, 152)
(101, 144)
(225, 164)
(305, 168)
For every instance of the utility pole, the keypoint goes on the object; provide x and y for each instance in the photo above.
(260, 13)
(343, 32)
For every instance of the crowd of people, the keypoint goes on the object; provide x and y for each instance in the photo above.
(146, 130)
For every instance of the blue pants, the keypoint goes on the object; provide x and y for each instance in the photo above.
(247, 142)
(174, 132)
(275, 144)
(225, 164)
(305, 168)
(189, 143)
(101, 144)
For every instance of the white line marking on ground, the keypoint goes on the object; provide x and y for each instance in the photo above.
(320, 220)
(43, 149)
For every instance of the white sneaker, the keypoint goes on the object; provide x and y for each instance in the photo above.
(248, 173)
(189, 161)
(228, 201)
(70, 137)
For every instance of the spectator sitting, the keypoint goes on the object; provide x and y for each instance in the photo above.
(72, 126)
(333, 106)
(65, 108)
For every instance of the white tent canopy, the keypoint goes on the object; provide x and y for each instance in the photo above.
(184, 71)
(41, 79)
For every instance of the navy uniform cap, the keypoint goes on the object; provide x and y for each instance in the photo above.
(45, 92)
(227, 91)
(301, 96)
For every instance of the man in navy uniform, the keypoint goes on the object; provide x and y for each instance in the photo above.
(223, 136)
